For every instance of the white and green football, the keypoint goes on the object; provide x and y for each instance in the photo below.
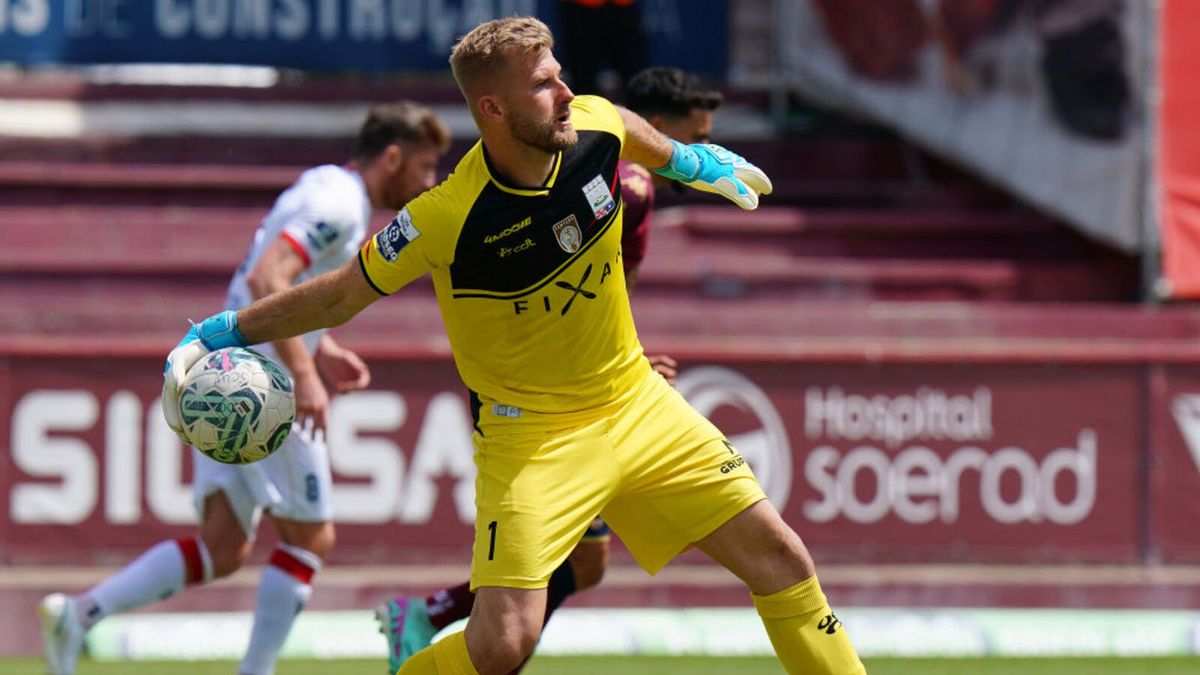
(237, 405)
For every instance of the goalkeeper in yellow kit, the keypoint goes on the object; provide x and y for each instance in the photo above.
(522, 242)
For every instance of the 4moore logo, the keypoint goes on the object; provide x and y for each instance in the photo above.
(760, 436)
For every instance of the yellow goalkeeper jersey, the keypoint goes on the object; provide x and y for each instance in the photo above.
(529, 281)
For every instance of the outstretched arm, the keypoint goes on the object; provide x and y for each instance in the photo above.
(274, 272)
(644, 144)
(704, 166)
(321, 302)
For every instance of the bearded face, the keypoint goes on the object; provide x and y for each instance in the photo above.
(549, 134)
(537, 103)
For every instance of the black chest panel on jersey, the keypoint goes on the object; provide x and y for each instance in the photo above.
(512, 244)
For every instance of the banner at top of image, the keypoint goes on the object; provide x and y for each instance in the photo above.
(328, 35)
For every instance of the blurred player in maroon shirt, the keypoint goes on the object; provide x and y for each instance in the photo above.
(681, 107)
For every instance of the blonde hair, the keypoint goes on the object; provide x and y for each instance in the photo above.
(484, 51)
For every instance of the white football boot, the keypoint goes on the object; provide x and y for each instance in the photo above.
(62, 634)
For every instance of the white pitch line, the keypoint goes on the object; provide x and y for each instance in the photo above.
(629, 576)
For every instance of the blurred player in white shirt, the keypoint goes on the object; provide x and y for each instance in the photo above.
(316, 225)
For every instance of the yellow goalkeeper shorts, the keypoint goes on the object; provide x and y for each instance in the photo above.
(656, 470)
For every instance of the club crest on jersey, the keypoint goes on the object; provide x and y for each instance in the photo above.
(568, 234)
(398, 233)
(599, 197)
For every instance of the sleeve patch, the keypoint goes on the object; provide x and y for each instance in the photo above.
(322, 235)
(398, 233)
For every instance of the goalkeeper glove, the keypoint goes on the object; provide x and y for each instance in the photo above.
(216, 332)
(711, 168)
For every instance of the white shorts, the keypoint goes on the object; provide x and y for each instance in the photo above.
(294, 483)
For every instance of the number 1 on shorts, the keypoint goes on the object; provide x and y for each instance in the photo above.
(492, 545)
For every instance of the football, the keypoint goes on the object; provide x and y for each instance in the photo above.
(237, 405)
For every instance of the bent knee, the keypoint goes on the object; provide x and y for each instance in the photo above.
(506, 653)
(227, 557)
(224, 565)
(325, 540)
(316, 538)
(504, 629)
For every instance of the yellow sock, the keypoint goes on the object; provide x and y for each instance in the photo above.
(807, 637)
(445, 657)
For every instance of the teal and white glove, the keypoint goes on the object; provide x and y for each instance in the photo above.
(711, 168)
(216, 332)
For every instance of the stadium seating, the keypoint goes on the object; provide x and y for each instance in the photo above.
(858, 214)
(164, 237)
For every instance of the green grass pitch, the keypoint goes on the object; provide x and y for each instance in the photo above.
(662, 666)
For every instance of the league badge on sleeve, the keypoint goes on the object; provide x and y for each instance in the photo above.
(321, 235)
(599, 197)
(393, 238)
